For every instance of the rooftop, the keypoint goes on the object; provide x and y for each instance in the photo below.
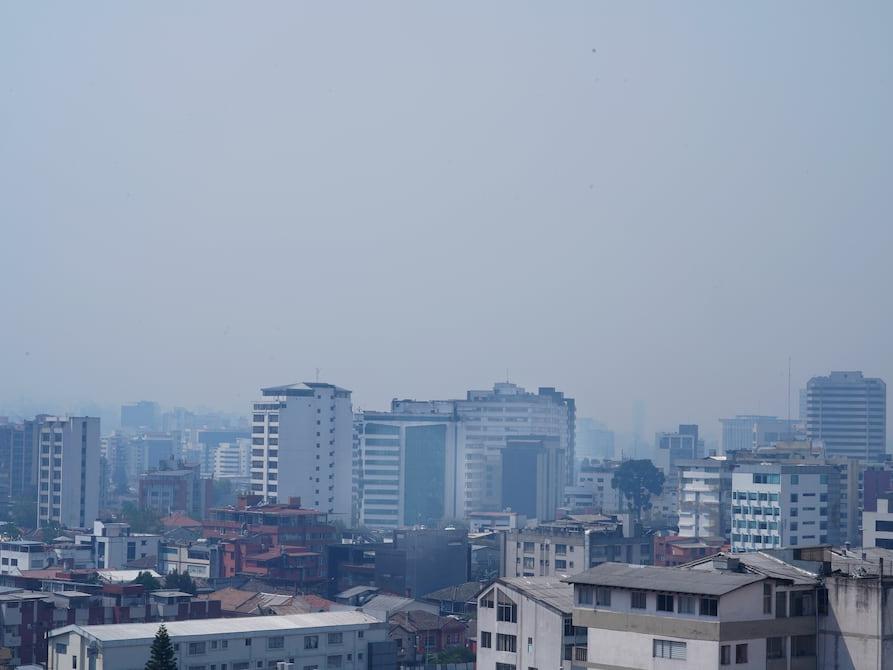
(460, 593)
(125, 632)
(551, 591)
(654, 578)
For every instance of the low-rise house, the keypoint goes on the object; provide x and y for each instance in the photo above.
(419, 633)
(460, 599)
(19, 555)
(347, 640)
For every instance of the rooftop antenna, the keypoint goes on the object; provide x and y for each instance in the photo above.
(789, 391)
(317, 375)
(506, 375)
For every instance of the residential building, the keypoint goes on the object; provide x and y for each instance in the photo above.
(200, 559)
(672, 550)
(420, 561)
(17, 476)
(571, 546)
(232, 460)
(20, 555)
(705, 497)
(115, 546)
(67, 470)
(487, 521)
(304, 432)
(670, 448)
(181, 489)
(877, 525)
(594, 492)
(487, 418)
(746, 432)
(418, 633)
(708, 616)
(322, 640)
(408, 470)
(848, 413)
(784, 505)
(527, 622)
(459, 600)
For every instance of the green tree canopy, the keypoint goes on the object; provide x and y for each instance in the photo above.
(141, 520)
(180, 581)
(161, 655)
(637, 481)
(147, 580)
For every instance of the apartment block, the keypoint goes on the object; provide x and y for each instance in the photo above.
(705, 497)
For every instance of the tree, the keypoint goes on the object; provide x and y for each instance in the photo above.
(180, 581)
(161, 655)
(51, 530)
(141, 520)
(10, 531)
(147, 580)
(637, 481)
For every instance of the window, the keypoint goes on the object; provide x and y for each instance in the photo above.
(311, 642)
(277, 642)
(506, 609)
(486, 639)
(333, 661)
(802, 646)
(767, 598)
(336, 638)
(794, 497)
(802, 603)
(224, 643)
(61, 648)
(795, 479)
(686, 604)
(247, 641)
(584, 595)
(740, 653)
(781, 604)
(506, 642)
(505, 666)
(774, 647)
(196, 648)
(528, 547)
(487, 599)
(665, 602)
(725, 655)
(669, 649)
(603, 597)
(560, 549)
(709, 606)
(637, 600)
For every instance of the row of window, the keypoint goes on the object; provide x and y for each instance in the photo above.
(273, 642)
(665, 602)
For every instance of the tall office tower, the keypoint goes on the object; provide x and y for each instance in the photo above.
(67, 469)
(530, 476)
(408, 470)
(487, 419)
(17, 476)
(746, 432)
(848, 413)
(301, 446)
(593, 440)
(142, 415)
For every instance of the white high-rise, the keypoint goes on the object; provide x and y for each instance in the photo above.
(67, 470)
(301, 445)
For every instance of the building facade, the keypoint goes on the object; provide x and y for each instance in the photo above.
(746, 432)
(705, 497)
(848, 413)
(302, 446)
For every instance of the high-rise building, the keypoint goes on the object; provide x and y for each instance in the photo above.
(301, 446)
(593, 440)
(142, 415)
(408, 468)
(530, 478)
(848, 413)
(17, 477)
(671, 448)
(67, 469)
(705, 497)
(746, 432)
(487, 419)
(779, 505)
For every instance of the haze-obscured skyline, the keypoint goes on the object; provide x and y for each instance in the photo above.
(629, 204)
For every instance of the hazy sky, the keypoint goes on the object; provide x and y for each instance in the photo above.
(633, 202)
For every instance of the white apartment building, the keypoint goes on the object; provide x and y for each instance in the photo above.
(527, 622)
(593, 491)
(877, 526)
(746, 432)
(301, 446)
(640, 617)
(67, 470)
(705, 497)
(114, 545)
(345, 640)
(19, 555)
(232, 460)
(784, 505)
(487, 418)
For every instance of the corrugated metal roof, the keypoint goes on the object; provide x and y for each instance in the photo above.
(548, 590)
(234, 625)
(654, 578)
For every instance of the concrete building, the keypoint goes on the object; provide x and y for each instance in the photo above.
(716, 615)
(232, 460)
(17, 476)
(200, 559)
(347, 640)
(782, 505)
(746, 432)
(531, 471)
(140, 416)
(487, 418)
(67, 470)
(571, 546)
(848, 413)
(526, 622)
(408, 469)
(670, 448)
(304, 432)
(21, 555)
(479, 522)
(114, 545)
(705, 497)
(181, 489)
(877, 525)
(421, 561)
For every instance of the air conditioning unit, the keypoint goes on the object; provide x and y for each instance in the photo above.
(285, 665)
